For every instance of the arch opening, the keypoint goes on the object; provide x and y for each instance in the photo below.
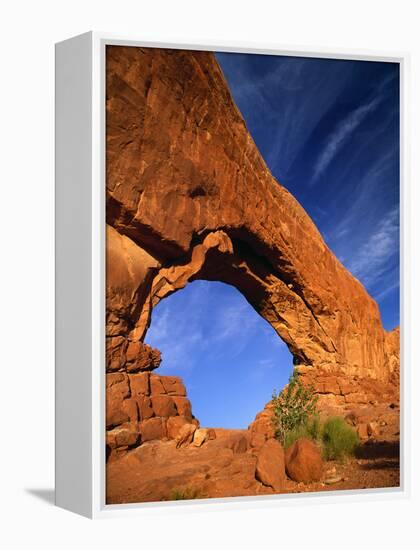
(228, 356)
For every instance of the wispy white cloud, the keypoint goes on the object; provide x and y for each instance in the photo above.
(373, 257)
(339, 136)
(346, 127)
(283, 98)
(362, 198)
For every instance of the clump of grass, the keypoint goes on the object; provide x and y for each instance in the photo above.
(185, 493)
(339, 440)
(311, 429)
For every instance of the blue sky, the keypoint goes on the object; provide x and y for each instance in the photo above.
(329, 132)
(229, 357)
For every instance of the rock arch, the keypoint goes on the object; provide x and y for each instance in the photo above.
(190, 197)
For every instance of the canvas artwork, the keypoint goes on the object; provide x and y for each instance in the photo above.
(252, 274)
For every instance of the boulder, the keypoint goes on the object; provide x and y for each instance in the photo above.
(201, 435)
(153, 428)
(270, 469)
(174, 425)
(304, 461)
(185, 435)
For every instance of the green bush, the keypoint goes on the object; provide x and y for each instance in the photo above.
(312, 429)
(294, 406)
(338, 438)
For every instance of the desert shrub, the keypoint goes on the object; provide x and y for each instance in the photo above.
(186, 493)
(293, 408)
(314, 428)
(311, 429)
(338, 438)
(293, 435)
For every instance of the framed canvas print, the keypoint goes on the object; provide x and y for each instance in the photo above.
(229, 275)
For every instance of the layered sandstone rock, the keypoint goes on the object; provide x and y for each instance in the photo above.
(190, 197)
(143, 407)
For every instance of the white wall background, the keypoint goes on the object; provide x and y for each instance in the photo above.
(28, 32)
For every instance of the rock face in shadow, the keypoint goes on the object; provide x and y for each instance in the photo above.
(190, 197)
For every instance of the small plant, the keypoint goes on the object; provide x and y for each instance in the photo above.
(312, 429)
(294, 406)
(186, 493)
(315, 428)
(338, 438)
(293, 435)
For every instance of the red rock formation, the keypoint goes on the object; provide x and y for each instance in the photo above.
(190, 197)
(143, 407)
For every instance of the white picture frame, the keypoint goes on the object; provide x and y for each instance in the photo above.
(80, 277)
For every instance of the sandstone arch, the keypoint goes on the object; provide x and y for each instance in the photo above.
(189, 196)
